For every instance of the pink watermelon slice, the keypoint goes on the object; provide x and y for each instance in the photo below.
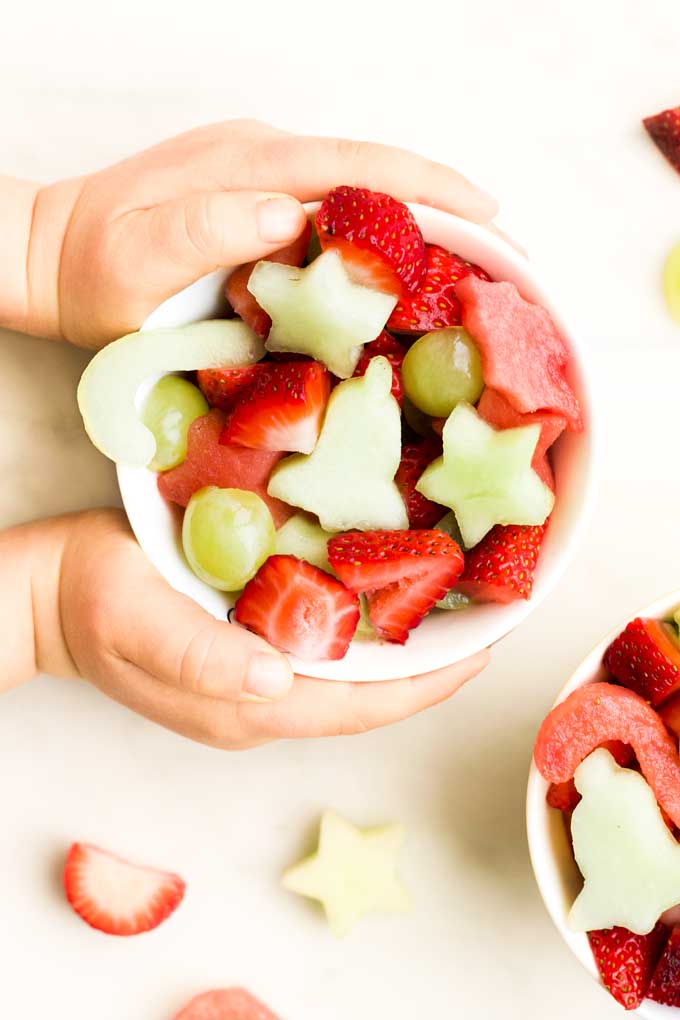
(522, 352)
(225, 1004)
(500, 413)
(599, 712)
(230, 467)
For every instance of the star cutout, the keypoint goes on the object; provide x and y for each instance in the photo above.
(320, 311)
(485, 475)
(353, 872)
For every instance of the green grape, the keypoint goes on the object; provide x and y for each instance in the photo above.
(671, 282)
(454, 600)
(227, 536)
(449, 524)
(169, 410)
(314, 247)
(419, 422)
(441, 370)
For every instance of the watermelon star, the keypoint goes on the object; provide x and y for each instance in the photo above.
(485, 476)
(353, 872)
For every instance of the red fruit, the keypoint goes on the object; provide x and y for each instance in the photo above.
(664, 129)
(646, 658)
(225, 1004)
(670, 713)
(222, 385)
(665, 984)
(299, 608)
(240, 298)
(282, 410)
(378, 238)
(229, 467)
(415, 457)
(403, 573)
(522, 352)
(434, 305)
(626, 961)
(565, 796)
(391, 349)
(499, 412)
(501, 567)
(117, 897)
(598, 712)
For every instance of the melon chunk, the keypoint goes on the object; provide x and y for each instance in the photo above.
(302, 537)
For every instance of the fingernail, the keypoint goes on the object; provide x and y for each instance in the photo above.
(279, 219)
(269, 676)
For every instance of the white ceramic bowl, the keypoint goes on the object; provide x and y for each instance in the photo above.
(444, 637)
(557, 875)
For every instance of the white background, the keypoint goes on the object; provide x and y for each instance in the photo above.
(541, 102)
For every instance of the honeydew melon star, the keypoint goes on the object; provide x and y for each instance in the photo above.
(353, 872)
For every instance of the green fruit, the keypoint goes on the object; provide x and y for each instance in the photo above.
(442, 369)
(227, 536)
(415, 419)
(172, 405)
(671, 282)
(302, 537)
(454, 600)
(365, 630)
(449, 524)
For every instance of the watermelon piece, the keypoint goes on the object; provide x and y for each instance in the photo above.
(500, 413)
(225, 1004)
(523, 354)
(229, 467)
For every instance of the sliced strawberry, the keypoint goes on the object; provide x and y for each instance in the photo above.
(646, 658)
(378, 238)
(299, 608)
(626, 961)
(240, 298)
(225, 1004)
(664, 129)
(222, 385)
(117, 897)
(500, 413)
(415, 457)
(434, 305)
(282, 410)
(403, 573)
(391, 349)
(501, 568)
(670, 713)
(665, 984)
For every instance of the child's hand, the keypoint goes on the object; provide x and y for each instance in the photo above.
(106, 249)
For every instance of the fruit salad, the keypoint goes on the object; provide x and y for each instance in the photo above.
(610, 754)
(366, 440)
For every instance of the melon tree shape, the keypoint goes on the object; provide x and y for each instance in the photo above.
(320, 311)
(348, 479)
(629, 859)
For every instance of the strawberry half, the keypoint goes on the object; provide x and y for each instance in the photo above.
(626, 961)
(664, 130)
(117, 897)
(402, 572)
(378, 238)
(501, 568)
(665, 984)
(240, 298)
(415, 457)
(225, 1004)
(434, 305)
(646, 658)
(391, 349)
(282, 410)
(221, 386)
(299, 608)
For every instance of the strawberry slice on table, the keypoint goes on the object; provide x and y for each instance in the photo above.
(664, 129)
(626, 961)
(501, 567)
(415, 457)
(500, 413)
(225, 1004)
(434, 305)
(665, 984)
(387, 347)
(221, 386)
(646, 658)
(377, 237)
(282, 410)
(299, 608)
(240, 298)
(117, 897)
(403, 573)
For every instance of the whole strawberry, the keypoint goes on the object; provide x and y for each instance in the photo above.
(626, 961)
(501, 568)
(434, 305)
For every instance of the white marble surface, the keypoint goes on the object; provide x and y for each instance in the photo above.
(542, 103)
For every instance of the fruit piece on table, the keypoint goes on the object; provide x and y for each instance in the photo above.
(626, 961)
(240, 298)
(170, 408)
(664, 129)
(415, 457)
(319, 311)
(391, 349)
(353, 872)
(377, 237)
(646, 658)
(485, 476)
(299, 608)
(221, 386)
(434, 305)
(501, 568)
(107, 392)
(665, 983)
(229, 467)
(303, 537)
(523, 354)
(598, 712)
(348, 480)
(442, 369)
(499, 412)
(225, 1004)
(227, 534)
(282, 410)
(671, 282)
(403, 573)
(117, 897)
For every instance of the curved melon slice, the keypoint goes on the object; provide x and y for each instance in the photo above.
(108, 388)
